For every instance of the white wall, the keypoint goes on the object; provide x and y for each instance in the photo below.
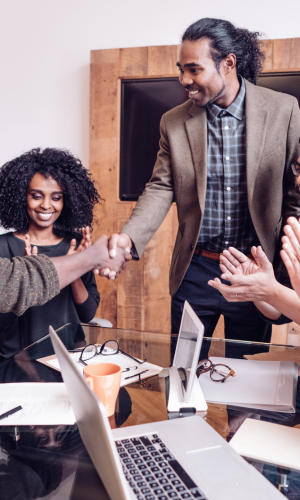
(45, 48)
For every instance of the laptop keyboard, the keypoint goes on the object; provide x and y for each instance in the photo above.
(153, 472)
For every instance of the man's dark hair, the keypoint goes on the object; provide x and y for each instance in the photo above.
(226, 39)
(80, 194)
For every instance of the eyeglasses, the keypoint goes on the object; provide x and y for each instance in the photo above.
(109, 348)
(296, 168)
(218, 373)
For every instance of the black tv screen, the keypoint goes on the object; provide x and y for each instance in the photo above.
(143, 102)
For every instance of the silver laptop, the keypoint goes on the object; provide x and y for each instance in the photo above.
(176, 459)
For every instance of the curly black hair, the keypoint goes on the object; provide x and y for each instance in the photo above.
(80, 194)
(225, 38)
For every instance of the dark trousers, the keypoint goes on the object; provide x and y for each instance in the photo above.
(242, 320)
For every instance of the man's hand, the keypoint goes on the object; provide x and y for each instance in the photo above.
(255, 287)
(235, 262)
(290, 252)
(27, 249)
(110, 266)
(116, 241)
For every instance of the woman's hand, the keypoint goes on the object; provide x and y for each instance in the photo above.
(290, 252)
(85, 242)
(233, 261)
(28, 250)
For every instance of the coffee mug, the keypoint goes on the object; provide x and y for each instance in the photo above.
(104, 379)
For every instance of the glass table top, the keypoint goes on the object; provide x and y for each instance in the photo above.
(51, 461)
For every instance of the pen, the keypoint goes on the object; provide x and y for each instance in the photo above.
(130, 369)
(10, 412)
(136, 375)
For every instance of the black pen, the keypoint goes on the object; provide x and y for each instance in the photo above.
(136, 374)
(10, 412)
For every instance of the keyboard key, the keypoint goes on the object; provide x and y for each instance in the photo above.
(149, 479)
(149, 497)
(135, 441)
(145, 440)
(158, 491)
(128, 445)
(159, 474)
(153, 485)
(140, 497)
(155, 454)
(151, 463)
(124, 441)
(185, 495)
(175, 481)
(171, 476)
(147, 458)
(133, 472)
(172, 494)
(127, 461)
(130, 466)
(132, 484)
(165, 469)
(168, 456)
(145, 490)
(151, 448)
(168, 487)
(157, 440)
(146, 472)
(185, 478)
(154, 469)
(135, 455)
(140, 448)
(163, 481)
(135, 490)
(144, 453)
(141, 484)
(123, 455)
(138, 461)
(163, 497)
(142, 467)
(138, 477)
(160, 460)
(198, 494)
(181, 488)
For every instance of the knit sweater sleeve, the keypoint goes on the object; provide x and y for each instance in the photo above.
(26, 282)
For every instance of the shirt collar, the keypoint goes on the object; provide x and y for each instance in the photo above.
(236, 108)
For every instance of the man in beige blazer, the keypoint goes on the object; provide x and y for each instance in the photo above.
(225, 159)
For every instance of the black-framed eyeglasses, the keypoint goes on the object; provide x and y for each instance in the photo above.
(296, 168)
(109, 348)
(218, 373)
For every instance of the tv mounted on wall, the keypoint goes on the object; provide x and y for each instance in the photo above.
(143, 102)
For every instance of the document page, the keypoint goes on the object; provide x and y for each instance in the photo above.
(257, 384)
(130, 368)
(42, 404)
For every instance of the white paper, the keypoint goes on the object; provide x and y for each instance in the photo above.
(256, 384)
(116, 359)
(42, 404)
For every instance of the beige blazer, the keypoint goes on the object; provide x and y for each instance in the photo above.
(272, 144)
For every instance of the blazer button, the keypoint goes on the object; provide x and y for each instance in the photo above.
(191, 247)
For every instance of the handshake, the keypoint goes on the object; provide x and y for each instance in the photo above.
(116, 253)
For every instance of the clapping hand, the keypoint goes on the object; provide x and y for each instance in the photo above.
(85, 242)
(28, 250)
(290, 252)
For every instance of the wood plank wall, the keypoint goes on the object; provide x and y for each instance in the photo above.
(139, 298)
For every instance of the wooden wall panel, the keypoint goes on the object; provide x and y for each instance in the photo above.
(139, 298)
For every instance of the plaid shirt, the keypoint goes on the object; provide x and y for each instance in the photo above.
(227, 220)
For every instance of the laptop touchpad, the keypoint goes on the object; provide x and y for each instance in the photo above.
(210, 460)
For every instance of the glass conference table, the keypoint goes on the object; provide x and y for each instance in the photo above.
(51, 461)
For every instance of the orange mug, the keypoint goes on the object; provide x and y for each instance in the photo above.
(104, 379)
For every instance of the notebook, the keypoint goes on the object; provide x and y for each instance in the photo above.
(272, 443)
(262, 385)
(175, 459)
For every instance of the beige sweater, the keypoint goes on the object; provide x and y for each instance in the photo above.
(26, 282)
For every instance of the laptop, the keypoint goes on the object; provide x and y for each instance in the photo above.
(176, 459)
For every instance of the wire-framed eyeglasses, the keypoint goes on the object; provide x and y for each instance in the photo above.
(296, 168)
(109, 348)
(218, 373)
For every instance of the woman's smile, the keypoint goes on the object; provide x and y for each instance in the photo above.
(44, 201)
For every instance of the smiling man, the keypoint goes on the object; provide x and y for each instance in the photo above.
(225, 159)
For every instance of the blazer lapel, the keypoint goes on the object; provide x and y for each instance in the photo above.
(196, 128)
(256, 128)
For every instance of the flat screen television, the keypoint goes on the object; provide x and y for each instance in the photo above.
(143, 102)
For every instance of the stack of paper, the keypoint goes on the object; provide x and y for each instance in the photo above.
(42, 404)
(130, 376)
(263, 385)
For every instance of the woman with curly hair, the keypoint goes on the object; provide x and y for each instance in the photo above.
(47, 197)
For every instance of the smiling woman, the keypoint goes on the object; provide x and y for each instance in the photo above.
(47, 197)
